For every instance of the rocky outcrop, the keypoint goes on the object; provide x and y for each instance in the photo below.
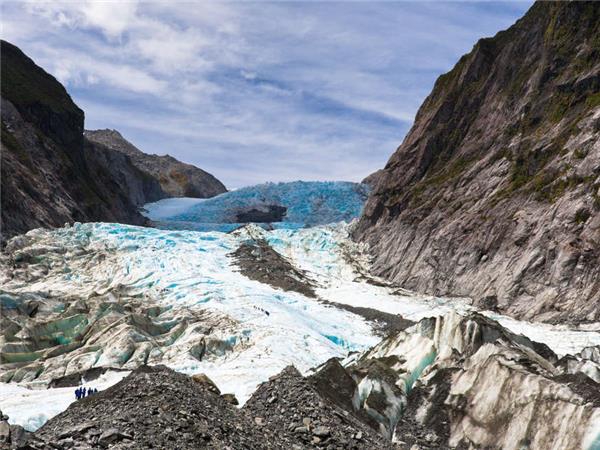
(137, 185)
(294, 408)
(154, 407)
(176, 179)
(46, 178)
(257, 260)
(495, 191)
(371, 180)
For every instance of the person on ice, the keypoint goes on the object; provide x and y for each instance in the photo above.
(83, 393)
(77, 393)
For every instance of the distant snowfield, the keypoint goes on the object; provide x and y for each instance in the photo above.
(306, 203)
(193, 270)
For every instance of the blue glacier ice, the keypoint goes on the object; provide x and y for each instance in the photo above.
(304, 204)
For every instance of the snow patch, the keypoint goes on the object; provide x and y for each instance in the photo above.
(33, 407)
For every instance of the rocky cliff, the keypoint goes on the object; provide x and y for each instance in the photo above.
(495, 191)
(51, 174)
(176, 179)
(46, 178)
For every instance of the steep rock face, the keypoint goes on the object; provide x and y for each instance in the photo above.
(176, 179)
(46, 178)
(495, 191)
(139, 186)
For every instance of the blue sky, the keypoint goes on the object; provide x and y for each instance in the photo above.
(255, 91)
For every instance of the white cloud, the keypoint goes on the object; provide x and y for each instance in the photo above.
(112, 18)
(254, 91)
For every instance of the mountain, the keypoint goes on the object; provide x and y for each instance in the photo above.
(495, 191)
(51, 174)
(46, 178)
(176, 179)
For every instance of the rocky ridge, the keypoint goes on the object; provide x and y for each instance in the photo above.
(12, 436)
(155, 407)
(494, 193)
(175, 179)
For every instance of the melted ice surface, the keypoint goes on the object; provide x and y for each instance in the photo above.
(187, 269)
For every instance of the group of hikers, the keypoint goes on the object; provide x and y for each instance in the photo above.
(81, 392)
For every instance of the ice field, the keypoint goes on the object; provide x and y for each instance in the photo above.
(268, 328)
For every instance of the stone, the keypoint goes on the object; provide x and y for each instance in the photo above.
(321, 431)
(4, 431)
(231, 399)
(112, 435)
(18, 436)
(204, 380)
(431, 437)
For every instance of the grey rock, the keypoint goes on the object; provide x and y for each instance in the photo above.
(230, 398)
(495, 166)
(373, 179)
(4, 432)
(113, 435)
(45, 177)
(176, 179)
(321, 431)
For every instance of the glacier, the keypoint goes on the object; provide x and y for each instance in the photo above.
(210, 318)
(294, 204)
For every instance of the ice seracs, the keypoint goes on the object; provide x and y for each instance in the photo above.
(281, 205)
